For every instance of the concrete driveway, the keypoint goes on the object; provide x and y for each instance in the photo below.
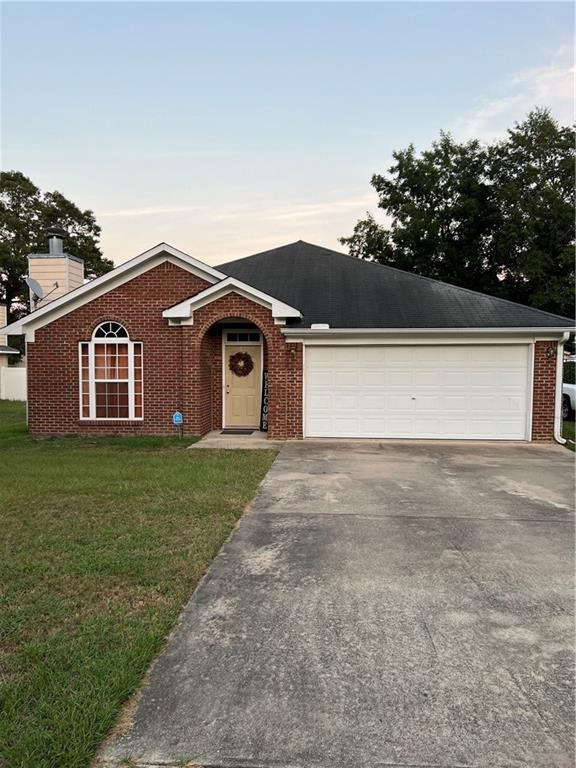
(382, 604)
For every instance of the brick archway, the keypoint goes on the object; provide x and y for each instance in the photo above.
(202, 367)
(212, 367)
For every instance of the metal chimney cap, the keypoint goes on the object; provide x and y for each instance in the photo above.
(57, 231)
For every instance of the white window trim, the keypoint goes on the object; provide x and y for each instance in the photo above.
(253, 343)
(92, 379)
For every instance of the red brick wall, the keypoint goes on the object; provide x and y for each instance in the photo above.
(295, 389)
(543, 399)
(215, 361)
(182, 365)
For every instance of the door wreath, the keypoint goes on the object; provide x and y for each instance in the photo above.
(241, 364)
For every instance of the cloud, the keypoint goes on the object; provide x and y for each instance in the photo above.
(549, 86)
(158, 210)
(298, 211)
(286, 212)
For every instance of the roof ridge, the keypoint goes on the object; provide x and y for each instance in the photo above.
(261, 253)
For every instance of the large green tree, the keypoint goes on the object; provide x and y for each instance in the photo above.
(496, 218)
(26, 214)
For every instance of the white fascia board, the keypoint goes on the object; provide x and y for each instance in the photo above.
(120, 274)
(185, 309)
(329, 332)
(419, 337)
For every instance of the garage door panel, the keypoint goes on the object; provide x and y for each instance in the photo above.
(436, 427)
(400, 401)
(456, 378)
(400, 427)
(393, 355)
(484, 403)
(344, 378)
(514, 404)
(321, 402)
(346, 425)
(321, 426)
(345, 402)
(474, 392)
(399, 378)
(432, 378)
(372, 402)
(441, 403)
(512, 379)
(374, 378)
(456, 427)
(319, 378)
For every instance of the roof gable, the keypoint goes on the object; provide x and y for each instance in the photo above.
(111, 280)
(184, 311)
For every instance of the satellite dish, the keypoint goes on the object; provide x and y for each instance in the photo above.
(35, 287)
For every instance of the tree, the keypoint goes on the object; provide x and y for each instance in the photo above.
(26, 214)
(494, 218)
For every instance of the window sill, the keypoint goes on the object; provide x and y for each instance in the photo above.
(111, 421)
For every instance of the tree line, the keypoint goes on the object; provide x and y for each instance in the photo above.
(496, 218)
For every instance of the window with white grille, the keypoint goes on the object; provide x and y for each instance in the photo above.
(111, 381)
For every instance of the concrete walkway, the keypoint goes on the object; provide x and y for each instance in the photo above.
(257, 440)
(380, 605)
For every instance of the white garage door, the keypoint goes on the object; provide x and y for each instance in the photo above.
(467, 392)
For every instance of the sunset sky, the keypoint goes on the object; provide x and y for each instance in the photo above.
(225, 129)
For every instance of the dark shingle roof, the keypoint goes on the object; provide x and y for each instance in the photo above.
(332, 287)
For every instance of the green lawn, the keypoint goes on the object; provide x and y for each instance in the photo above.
(568, 434)
(102, 542)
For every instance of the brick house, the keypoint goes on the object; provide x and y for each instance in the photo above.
(304, 340)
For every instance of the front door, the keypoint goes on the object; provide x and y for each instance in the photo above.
(243, 385)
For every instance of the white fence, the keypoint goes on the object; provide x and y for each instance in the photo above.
(12, 383)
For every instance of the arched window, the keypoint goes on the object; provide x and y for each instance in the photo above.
(111, 374)
(110, 330)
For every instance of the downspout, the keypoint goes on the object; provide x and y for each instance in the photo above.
(559, 377)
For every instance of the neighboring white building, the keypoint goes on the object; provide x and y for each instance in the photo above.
(12, 380)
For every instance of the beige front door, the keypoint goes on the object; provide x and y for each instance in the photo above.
(242, 393)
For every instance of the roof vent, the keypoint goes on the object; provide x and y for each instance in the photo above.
(320, 326)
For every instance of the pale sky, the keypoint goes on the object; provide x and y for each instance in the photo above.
(228, 128)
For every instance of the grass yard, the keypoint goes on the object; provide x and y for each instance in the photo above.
(103, 541)
(568, 434)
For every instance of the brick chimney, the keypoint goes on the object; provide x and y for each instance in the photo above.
(56, 272)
